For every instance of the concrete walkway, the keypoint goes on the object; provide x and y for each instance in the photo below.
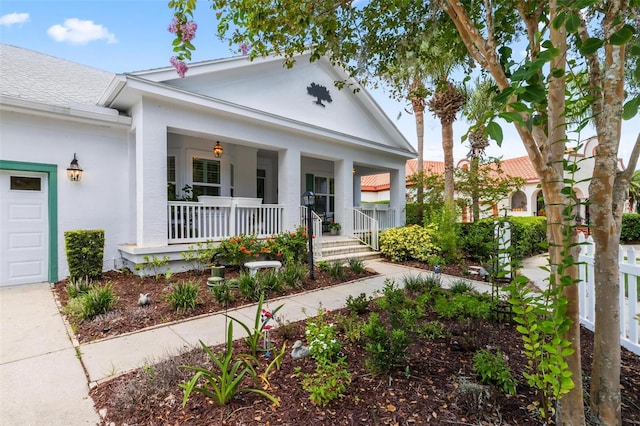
(43, 382)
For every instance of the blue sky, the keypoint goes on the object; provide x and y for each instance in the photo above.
(131, 35)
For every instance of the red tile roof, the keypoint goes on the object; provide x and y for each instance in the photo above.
(519, 166)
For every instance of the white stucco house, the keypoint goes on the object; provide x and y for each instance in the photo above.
(136, 135)
(524, 201)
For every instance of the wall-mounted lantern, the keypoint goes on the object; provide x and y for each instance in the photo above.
(74, 172)
(217, 150)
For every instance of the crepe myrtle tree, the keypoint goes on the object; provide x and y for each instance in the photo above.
(568, 41)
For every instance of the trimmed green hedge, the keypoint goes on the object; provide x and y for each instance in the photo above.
(630, 231)
(528, 235)
(85, 251)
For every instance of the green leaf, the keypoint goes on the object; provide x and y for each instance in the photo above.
(495, 132)
(534, 93)
(622, 36)
(590, 46)
(548, 55)
(573, 23)
(630, 108)
(510, 117)
(519, 106)
(559, 20)
(505, 95)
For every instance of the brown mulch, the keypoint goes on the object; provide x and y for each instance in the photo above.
(433, 390)
(127, 316)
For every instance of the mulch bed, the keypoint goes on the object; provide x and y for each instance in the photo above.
(127, 316)
(432, 391)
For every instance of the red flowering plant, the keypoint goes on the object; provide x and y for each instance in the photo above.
(288, 246)
(235, 251)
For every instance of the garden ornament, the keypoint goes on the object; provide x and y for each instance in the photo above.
(144, 299)
(299, 351)
(437, 270)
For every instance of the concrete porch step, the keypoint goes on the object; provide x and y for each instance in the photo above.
(363, 255)
(342, 248)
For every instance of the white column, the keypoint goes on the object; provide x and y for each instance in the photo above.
(343, 185)
(397, 194)
(151, 179)
(290, 187)
(357, 190)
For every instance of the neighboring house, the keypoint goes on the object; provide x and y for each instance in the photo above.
(527, 201)
(137, 134)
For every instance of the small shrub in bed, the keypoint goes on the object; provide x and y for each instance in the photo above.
(183, 296)
(493, 369)
(358, 305)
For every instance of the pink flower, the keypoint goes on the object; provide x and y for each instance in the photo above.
(244, 48)
(180, 66)
(188, 31)
(173, 27)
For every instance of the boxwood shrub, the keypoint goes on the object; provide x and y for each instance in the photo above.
(85, 252)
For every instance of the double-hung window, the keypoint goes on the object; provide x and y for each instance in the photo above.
(206, 176)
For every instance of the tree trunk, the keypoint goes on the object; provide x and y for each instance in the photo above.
(570, 409)
(475, 196)
(447, 147)
(417, 103)
(607, 191)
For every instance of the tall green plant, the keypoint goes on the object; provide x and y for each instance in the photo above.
(446, 238)
(259, 325)
(542, 322)
(223, 384)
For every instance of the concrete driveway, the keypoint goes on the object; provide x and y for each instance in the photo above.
(42, 382)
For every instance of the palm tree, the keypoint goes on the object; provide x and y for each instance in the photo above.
(634, 191)
(479, 104)
(417, 94)
(445, 104)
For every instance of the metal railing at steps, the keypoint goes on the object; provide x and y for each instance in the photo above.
(365, 228)
(317, 230)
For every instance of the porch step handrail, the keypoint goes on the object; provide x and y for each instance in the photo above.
(365, 228)
(383, 213)
(317, 230)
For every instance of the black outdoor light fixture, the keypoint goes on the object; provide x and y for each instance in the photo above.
(74, 172)
(308, 200)
(217, 150)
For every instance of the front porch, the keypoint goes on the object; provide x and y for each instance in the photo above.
(214, 219)
(217, 218)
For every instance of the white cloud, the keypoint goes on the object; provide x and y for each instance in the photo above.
(14, 18)
(76, 31)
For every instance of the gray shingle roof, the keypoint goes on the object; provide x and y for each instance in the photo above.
(34, 76)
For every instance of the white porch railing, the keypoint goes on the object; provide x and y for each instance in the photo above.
(629, 278)
(317, 230)
(365, 228)
(382, 213)
(191, 222)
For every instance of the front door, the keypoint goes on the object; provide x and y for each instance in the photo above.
(24, 225)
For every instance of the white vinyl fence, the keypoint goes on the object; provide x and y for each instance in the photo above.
(629, 277)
